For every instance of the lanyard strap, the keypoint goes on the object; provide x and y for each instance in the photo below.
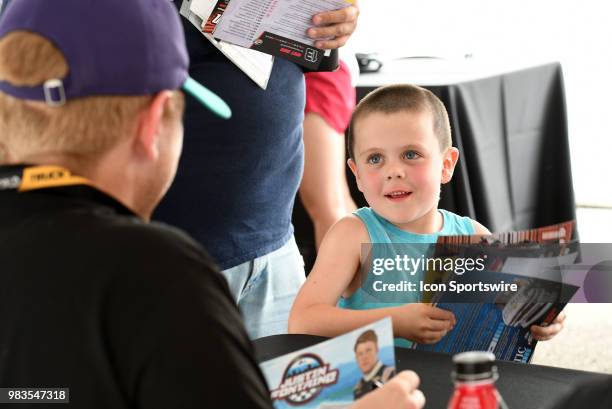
(23, 179)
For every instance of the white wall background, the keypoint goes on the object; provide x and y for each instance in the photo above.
(576, 33)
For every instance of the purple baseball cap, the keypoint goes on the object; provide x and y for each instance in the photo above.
(113, 47)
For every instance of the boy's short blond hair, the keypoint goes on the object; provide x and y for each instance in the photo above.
(83, 127)
(392, 99)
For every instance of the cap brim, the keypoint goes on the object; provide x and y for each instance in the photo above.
(210, 100)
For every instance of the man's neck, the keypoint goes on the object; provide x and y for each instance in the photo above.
(104, 173)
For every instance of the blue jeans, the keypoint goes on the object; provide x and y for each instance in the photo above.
(265, 288)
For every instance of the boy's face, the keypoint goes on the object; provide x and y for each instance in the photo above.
(399, 167)
(366, 354)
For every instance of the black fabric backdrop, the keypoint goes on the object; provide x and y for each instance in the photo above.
(514, 168)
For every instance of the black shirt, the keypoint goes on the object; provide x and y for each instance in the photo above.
(125, 314)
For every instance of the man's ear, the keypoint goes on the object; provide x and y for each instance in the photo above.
(449, 161)
(353, 166)
(150, 125)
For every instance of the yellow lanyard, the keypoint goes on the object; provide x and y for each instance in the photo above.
(40, 177)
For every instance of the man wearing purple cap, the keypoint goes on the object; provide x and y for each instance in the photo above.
(98, 307)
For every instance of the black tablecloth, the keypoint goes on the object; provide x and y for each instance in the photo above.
(514, 169)
(522, 386)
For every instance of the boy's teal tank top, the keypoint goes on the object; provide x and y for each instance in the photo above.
(381, 231)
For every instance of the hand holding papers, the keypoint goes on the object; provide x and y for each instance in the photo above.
(276, 27)
(500, 321)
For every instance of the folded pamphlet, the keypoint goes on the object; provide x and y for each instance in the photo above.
(275, 27)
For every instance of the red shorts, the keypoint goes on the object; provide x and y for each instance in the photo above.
(331, 95)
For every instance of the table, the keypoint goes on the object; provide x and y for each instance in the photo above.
(509, 123)
(522, 386)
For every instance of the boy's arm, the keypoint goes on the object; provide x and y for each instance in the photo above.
(479, 228)
(315, 311)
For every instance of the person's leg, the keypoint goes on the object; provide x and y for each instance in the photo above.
(265, 289)
(324, 191)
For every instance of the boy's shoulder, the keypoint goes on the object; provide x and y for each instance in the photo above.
(350, 227)
(479, 228)
(461, 224)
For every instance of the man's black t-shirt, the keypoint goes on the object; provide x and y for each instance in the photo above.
(125, 314)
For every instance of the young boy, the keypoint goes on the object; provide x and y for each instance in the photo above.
(400, 153)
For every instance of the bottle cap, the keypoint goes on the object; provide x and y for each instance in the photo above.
(474, 366)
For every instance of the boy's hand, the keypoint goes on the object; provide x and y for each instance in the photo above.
(334, 27)
(548, 332)
(424, 323)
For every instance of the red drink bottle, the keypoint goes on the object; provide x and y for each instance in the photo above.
(474, 376)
